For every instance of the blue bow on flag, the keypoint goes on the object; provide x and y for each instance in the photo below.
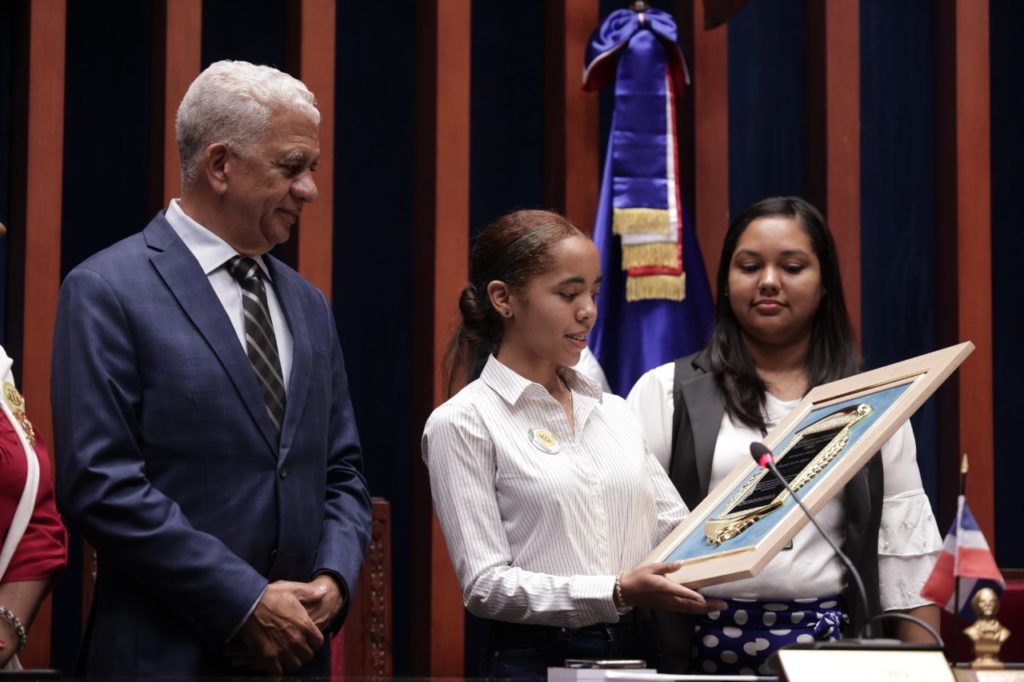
(655, 302)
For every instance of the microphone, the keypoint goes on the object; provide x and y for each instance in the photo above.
(766, 460)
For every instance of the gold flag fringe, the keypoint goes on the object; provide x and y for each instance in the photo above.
(665, 254)
(669, 287)
(641, 221)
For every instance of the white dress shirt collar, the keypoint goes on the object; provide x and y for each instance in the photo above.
(511, 385)
(213, 253)
(209, 249)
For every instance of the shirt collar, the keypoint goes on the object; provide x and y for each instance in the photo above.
(511, 385)
(210, 250)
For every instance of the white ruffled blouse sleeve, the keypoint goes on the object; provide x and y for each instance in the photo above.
(909, 539)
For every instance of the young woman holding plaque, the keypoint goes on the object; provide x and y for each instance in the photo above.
(781, 328)
(545, 491)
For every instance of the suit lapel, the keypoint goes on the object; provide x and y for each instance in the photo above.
(286, 287)
(188, 283)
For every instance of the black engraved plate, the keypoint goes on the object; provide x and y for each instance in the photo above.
(803, 458)
(790, 466)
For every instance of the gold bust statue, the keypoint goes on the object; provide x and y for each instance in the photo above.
(987, 633)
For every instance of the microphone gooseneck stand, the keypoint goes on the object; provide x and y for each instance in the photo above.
(766, 460)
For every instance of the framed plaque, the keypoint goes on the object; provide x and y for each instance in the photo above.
(818, 448)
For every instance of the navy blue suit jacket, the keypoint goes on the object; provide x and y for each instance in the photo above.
(167, 461)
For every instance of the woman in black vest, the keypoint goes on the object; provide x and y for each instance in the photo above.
(781, 328)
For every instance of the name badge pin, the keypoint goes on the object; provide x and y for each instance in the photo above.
(544, 440)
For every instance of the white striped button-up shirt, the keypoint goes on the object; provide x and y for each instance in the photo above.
(537, 531)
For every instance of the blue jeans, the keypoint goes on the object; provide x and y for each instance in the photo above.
(516, 651)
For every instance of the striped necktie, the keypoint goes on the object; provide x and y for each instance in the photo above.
(260, 342)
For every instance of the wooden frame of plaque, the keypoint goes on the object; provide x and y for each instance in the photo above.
(818, 446)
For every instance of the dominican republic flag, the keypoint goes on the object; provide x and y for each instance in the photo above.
(655, 302)
(966, 557)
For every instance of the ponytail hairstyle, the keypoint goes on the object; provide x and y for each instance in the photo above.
(513, 249)
(832, 353)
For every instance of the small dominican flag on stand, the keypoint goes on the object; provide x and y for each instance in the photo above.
(965, 556)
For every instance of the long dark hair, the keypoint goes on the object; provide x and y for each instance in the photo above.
(832, 353)
(512, 249)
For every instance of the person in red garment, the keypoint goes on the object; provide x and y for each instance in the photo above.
(34, 550)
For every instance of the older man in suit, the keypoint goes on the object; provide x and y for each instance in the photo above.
(205, 440)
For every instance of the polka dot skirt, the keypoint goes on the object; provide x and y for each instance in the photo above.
(740, 638)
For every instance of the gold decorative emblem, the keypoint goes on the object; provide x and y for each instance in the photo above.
(804, 457)
(17, 405)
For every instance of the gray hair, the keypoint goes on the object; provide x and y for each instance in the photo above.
(234, 102)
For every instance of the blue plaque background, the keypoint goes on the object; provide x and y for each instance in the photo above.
(696, 546)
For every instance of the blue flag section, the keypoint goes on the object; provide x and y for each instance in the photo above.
(655, 302)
